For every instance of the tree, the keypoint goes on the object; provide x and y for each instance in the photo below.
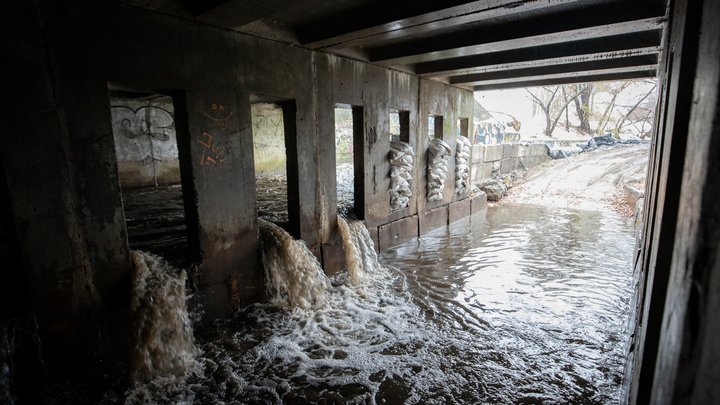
(645, 115)
(614, 89)
(545, 99)
(583, 109)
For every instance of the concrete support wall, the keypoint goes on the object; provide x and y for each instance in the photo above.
(379, 90)
(65, 167)
(268, 138)
(505, 158)
(145, 141)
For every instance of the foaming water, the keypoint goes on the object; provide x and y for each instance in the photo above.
(360, 254)
(7, 349)
(345, 186)
(528, 305)
(163, 331)
(271, 193)
(293, 275)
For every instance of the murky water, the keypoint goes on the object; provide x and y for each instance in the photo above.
(541, 297)
(272, 199)
(155, 220)
(528, 305)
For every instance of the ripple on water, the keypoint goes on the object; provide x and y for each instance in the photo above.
(527, 305)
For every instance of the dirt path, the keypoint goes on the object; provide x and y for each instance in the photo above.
(588, 181)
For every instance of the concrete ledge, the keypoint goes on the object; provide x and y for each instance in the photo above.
(478, 203)
(375, 236)
(493, 153)
(397, 232)
(477, 153)
(510, 150)
(537, 149)
(432, 219)
(459, 210)
(481, 171)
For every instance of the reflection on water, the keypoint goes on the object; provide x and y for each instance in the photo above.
(155, 220)
(526, 306)
(544, 295)
(272, 198)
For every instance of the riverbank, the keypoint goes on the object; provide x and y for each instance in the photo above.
(607, 178)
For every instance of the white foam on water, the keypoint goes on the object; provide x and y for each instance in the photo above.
(456, 332)
(366, 341)
(7, 349)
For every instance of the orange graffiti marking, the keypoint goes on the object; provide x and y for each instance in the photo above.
(212, 154)
(219, 120)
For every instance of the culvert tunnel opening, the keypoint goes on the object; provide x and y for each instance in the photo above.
(275, 162)
(152, 153)
(349, 160)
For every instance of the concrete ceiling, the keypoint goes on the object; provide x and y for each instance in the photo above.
(479, 45)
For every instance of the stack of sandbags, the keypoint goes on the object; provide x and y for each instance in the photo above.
(438, 154)
(462, 165)
(401, 166)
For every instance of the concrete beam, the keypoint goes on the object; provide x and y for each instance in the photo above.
(470, 12)
(639, 62)
(486, 40)
(642, 43)
(571, 78)
(591, 57)
(236, 13)
(565, 73)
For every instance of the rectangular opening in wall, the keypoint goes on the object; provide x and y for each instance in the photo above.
(462, 127)
(348, 158)
(435, 126)
(152, 151)
(399, 125)
(275, 158)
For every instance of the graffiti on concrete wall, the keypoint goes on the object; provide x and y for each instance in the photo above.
(217, 118)
(218, 115)
(212, 154)
(145, 135)
(268, 129)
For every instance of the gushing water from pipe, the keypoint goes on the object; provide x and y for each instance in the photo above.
(293, 276)
(360, 255)
(163, 331)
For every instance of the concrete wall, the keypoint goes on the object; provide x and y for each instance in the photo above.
(505, 158)
(145, 141)
(64, 172)
(379, 90)
(268, 138)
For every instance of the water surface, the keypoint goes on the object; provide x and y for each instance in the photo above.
(525, 305)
